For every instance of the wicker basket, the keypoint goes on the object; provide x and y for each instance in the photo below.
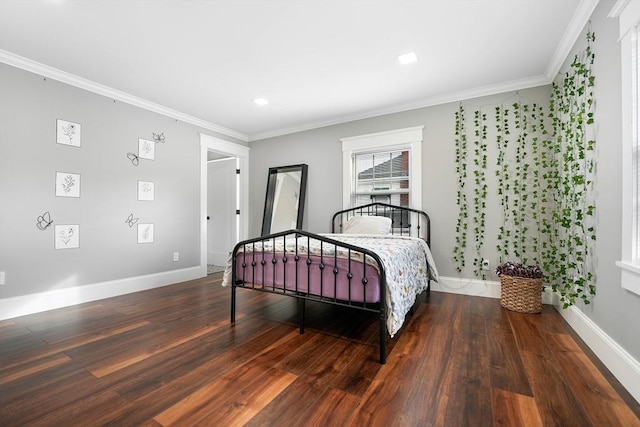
(521, 294)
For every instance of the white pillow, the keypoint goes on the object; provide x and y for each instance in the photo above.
(368, 225)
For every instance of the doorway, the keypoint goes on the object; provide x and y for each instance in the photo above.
(224, 221)
(222, 209)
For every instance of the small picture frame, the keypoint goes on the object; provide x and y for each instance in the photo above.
(67, 236)
(67, 184)
(146, 191)
(145, 233)
(146, 149)
(68, 133)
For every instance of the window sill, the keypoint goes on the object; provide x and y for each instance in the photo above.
(630, 276)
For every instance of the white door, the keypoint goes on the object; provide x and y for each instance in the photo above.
(221, 210)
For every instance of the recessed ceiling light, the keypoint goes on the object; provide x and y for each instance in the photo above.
(261, 101)
(407, 58)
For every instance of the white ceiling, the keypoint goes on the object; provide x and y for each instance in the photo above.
(317, 62)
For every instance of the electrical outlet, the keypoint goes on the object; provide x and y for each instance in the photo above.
(485, 264)
(176, 256)
(2, 277)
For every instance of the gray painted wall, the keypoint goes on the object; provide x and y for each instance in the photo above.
(30, 157)
(614, 309)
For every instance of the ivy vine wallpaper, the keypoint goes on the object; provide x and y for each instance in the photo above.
(545, 168)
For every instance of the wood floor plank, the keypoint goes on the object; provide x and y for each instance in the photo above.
(41, 364)
(513, 409)
(29, 398)
(528, 337)
(332, 408)
(385, 398)
(108, 369)
(470, 383)
(243, 406)
(506, 368)
(430, 387)
(600, 401)
(358, 367)
(554, 398)
(201, 403)
(29, 356)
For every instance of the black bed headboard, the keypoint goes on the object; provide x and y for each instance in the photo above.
(404, 221)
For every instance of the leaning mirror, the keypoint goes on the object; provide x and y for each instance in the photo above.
(284, 203)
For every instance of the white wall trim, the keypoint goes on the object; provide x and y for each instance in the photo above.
(622, 365)
(579, 19)
(476, 287)
(82, 83)
(410, 138)
(208, 142)
(65, 297)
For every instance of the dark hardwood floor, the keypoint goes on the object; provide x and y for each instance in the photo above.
(169, 356)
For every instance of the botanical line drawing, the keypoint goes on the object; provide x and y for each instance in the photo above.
(145, 233)
(146, 149)
(67, 236)
(146, 191)
(67, 184)
(68, 133)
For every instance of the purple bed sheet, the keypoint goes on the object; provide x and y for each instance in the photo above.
(353, 280)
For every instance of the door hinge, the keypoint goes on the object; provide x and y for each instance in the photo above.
(237, 211)
(237, 171)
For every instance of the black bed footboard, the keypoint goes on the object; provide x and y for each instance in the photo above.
(309, 266)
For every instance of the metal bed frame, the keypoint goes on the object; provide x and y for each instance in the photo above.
(255, 259)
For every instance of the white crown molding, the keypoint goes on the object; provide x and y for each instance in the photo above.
(578, 21)
(91, 86)
(617, 8)
(488, 90)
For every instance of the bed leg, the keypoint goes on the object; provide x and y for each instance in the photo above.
(383, 338)
(302, 313)
(233, 303)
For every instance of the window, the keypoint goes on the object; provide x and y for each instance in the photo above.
(628, 13)
(381, 176)
(383, 167)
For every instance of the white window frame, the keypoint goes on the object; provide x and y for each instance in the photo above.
(628, 13)
(394, 140)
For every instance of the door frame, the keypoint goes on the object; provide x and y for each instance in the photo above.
(210, 143)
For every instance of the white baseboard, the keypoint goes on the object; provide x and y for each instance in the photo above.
(473, 287)
(621, 364)
(476, 287)
(58, 298)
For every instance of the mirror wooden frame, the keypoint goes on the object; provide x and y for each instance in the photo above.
(270, 202)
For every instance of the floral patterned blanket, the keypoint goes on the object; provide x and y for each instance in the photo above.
(407, 262)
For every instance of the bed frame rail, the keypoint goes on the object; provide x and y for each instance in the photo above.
(404, 221)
